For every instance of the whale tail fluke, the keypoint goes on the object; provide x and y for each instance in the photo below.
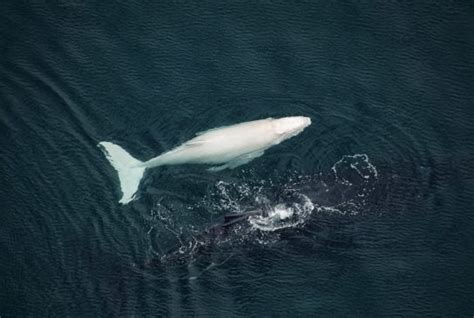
(128, 168)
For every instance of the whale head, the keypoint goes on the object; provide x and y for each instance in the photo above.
(288, 127)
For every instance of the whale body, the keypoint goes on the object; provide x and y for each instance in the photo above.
(223, 147)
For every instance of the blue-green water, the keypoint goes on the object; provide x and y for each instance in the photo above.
(381, 183)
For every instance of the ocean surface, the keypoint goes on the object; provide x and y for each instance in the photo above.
(368, 213)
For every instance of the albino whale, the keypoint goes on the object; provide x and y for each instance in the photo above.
(225, 147)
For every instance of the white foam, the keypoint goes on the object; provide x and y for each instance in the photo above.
(283, 213)
(284, 216)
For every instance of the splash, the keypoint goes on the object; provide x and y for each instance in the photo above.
(359, 164)
(344, 190)
(354, 179)
(284, 215)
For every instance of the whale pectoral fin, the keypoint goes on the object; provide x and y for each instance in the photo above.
(241, 160)
(218, 168)
(244, 159)
(193, 143)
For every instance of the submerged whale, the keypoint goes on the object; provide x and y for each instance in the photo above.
(223, 147)
(281, 213)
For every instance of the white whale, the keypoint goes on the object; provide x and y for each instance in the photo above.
(226, 147)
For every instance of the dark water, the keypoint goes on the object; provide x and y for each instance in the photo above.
(383, 215)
